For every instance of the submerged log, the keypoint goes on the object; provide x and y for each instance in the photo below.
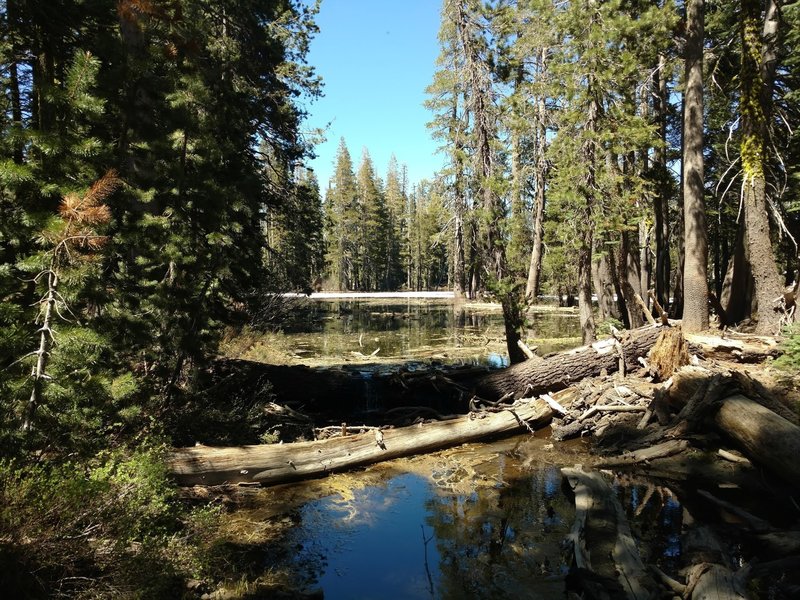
(277, 463)
(602, 542)
(561, 370)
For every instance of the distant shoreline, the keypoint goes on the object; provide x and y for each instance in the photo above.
(349, 295)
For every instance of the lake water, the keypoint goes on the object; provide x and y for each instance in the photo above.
(344, 331)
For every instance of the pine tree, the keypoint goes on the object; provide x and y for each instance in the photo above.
(374, 234)
(757, 79)
(396, 200)
(342, 219)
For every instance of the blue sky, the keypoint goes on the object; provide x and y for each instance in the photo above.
(376, 58)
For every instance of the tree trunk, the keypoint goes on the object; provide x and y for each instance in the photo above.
(757, 80)
(695, 278)
(586, 227)
(604, 287)
(540, 175)
(737, 295)
(644, 259)
(459, 210)
(563, 369)
(635, 316)
(661, 199)
(278, 463)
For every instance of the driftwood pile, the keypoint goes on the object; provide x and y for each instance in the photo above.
(705, 430)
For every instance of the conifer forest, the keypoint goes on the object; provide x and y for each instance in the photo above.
(632, 160)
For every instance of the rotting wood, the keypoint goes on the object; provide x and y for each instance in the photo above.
(708, 576)
(276, 463)
(763, 435)
(659, 309)
(745, 350)
(563, 369)
(645, 309)
(668, 448)
(733, 457)
(668, 354)
(705, 396)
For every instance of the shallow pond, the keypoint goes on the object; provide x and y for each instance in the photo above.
(343, 331)
(478, 521)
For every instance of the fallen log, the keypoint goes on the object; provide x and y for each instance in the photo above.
(759, 431)
(643, 456)
(708, 572)
(747, 350)
(763, 435)
(561, 370)
(270, 464)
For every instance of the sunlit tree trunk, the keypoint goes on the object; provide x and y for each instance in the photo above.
(661, 199)
(695, 280)
(756, 76)
(587, 228)
(540, 175)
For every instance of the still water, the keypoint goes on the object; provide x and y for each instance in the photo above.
(479, 521)
(341, 331)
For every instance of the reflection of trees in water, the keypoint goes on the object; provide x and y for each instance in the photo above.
(503, 541)
(656, 518)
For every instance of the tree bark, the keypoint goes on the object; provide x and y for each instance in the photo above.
(278, 463)
(459, 209)
(764, 436)
(661, 199)
(757, 81)
(540, 175)
(43, 353)
(635, 316)
(604, 287)
(737, 287)
(586, 228)
(563, 369)
(695, 278)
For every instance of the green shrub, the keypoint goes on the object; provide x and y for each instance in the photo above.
(112, 528)
(790, 359)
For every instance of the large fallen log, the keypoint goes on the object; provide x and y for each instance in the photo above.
(767, 438)
(561, 370)
(277, 463)
(762, 434)
(747, 349)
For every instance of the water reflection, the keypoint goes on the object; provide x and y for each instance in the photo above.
(326, 328)
(476, 522)
(372, 544)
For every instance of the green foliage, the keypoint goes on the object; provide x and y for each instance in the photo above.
(790, 359)
(107, 528)
(124, 292)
